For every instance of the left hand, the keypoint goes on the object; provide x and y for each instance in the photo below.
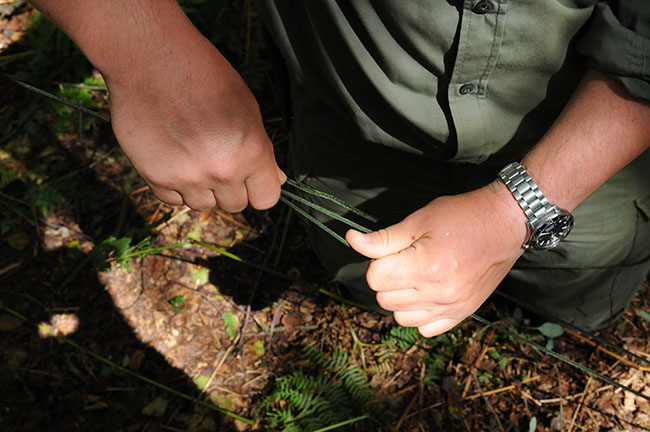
(438, 265)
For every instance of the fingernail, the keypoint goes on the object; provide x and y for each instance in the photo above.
(283, 177)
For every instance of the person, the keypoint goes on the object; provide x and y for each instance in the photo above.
(410, 111)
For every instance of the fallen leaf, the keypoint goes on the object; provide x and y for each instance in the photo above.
(222, 401)
(18, 241)
(156, 408)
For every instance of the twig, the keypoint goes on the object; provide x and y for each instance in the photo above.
(231, 219)
(478, 395)
(606, 351)
(176, 216)
(477, 361)
(222, 360)
(10, 267)
(577, 411)
(487, 402)
(274, 321)
(406, 411)
(559, 388)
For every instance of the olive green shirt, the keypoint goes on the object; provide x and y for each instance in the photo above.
(466, 81)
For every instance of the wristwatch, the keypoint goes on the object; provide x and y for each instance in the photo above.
(548, 224)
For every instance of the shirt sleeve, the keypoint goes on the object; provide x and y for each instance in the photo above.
(616, 42)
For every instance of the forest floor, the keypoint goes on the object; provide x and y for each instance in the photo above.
(120, 313)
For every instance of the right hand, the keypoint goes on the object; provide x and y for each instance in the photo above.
(193, 130)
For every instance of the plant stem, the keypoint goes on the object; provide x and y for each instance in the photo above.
(343, 423)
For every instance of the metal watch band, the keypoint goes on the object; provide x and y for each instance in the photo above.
(525, 190)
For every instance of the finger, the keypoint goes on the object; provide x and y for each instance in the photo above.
(231, 198)
(198, 199)
(170, 197)
(403, 300)
(263, 188)
(415, 318)
(394, 272)
(384, 242)
(437, 327)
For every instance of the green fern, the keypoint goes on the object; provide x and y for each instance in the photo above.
(304, 403)
(404, 337)
(7, 176)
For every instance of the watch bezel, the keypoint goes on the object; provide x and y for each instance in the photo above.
(539, 234)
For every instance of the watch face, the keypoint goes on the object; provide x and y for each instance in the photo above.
(552, 230)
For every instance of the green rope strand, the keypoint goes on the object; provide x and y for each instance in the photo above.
(313, 220)
(559, 356)
(327, 212)
(129, 371)
(332, 198)
(54, 97)
(570, 326)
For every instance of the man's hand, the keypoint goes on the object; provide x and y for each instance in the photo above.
(193, 130)
(181, 113)
(438, 265)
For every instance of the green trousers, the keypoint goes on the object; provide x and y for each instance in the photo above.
(612, 227)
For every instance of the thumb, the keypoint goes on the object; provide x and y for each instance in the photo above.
(383, 242)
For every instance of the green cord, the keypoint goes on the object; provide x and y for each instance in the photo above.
(332, 198)
(54, 97)
(559, 356)
(327, 212)
(313, 220)
(539, 311)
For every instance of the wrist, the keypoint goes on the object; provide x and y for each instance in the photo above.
(124, 39)
(508, 211)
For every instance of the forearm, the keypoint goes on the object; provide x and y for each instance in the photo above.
(600, 132)
(120, 37)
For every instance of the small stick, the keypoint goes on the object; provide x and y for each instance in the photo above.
(405, 414)
(478, 395)
(582, 399)
(477, 361)
(606, 351)
(231, 219)
(487, 402)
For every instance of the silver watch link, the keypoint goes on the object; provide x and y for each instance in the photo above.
(548, 224)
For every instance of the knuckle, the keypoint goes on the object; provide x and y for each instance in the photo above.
(383, 301)
(224, 173)
(447, 294)
(402, 320)
(233, 207)
(373, 277)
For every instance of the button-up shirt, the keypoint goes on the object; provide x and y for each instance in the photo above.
(465, 81)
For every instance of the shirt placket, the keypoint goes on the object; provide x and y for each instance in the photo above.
(481, 34)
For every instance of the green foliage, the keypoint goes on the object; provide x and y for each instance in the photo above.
(231, 323)
(303, 402)
(73, 190)
(7, 176)
(643, 314)
(177, 302)
(66, 119)
(119, 250)
(550, 330)
(441, 349)
(404, 337)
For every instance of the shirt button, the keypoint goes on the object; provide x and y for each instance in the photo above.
(483, 7)
(466, 88)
